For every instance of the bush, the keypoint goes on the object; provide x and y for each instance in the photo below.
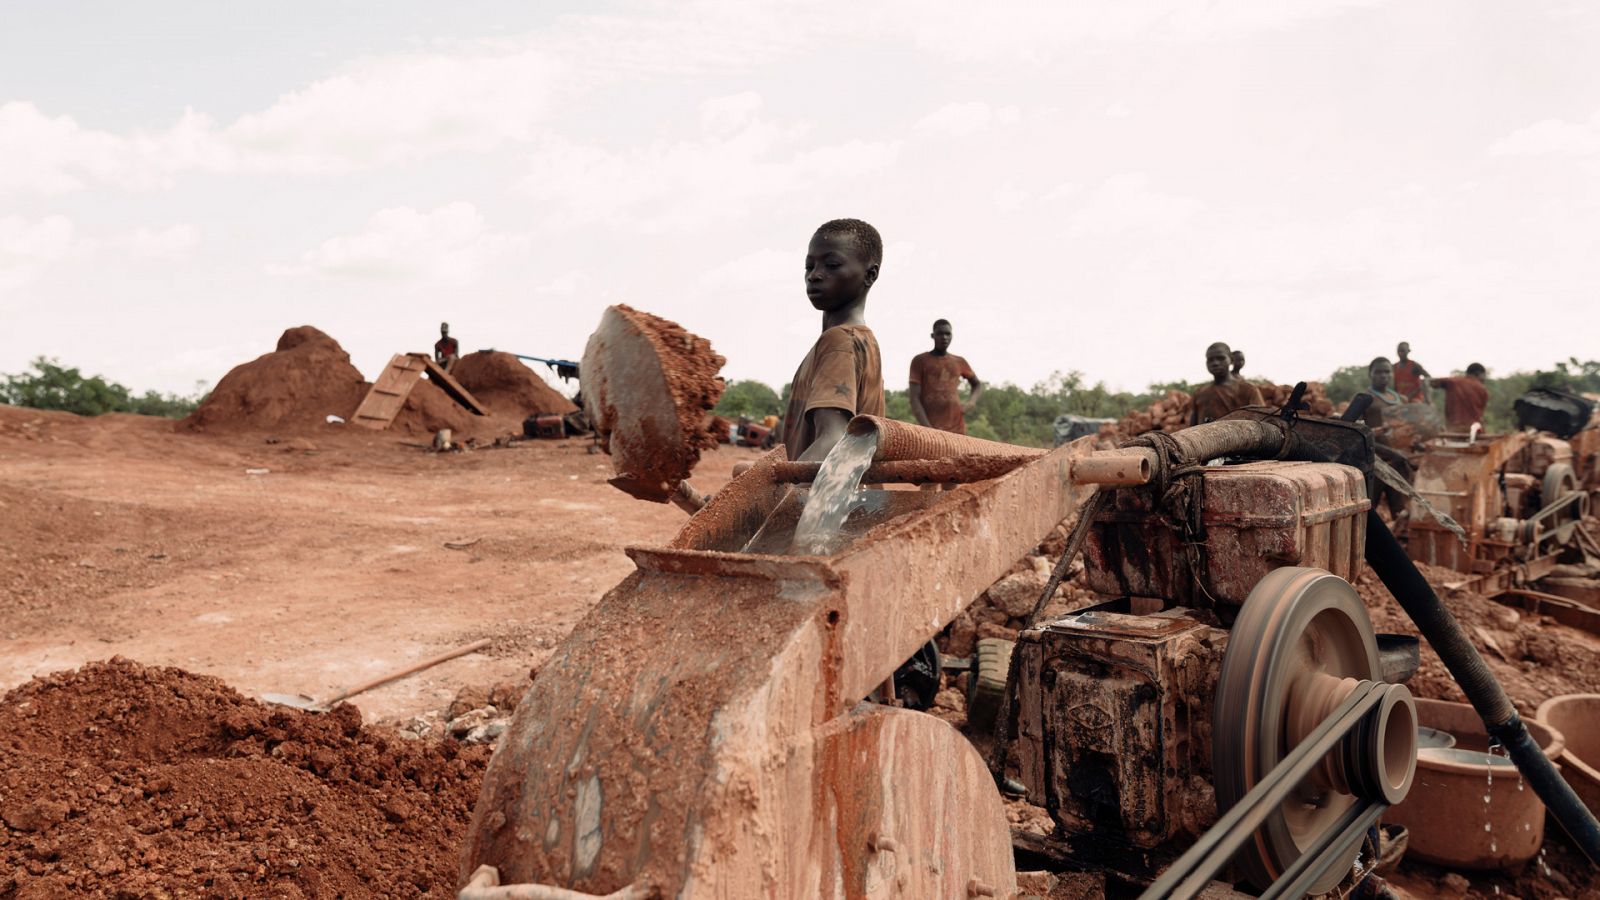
(49, 385)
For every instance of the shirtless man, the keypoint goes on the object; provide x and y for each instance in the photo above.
(1225, 393)
(936, 381)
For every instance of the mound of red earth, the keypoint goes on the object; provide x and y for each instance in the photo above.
(507, 387)
(298, 385)
(690, 367)
(428, 408)
(129, 781)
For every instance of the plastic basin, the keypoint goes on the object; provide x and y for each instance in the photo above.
(1445, 811)
(1577, 717)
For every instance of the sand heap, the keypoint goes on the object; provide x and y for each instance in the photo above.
(1171, 412)
(122, 780)
(506, 387)
(428, 408)
(298, 385)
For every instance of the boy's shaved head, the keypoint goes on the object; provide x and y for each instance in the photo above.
(864, 237)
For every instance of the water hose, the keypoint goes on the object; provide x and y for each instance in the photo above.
(1388, 560)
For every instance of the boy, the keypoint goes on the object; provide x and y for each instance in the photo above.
(1409, 376)
(842, 375)
(935, 381)
(1225, 393)
(1464, 396)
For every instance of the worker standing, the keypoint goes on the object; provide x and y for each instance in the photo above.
(936, 384)
(1409, 376)
(1380, 374)
(1225, 393)
(842, 374)
(1238, 363)
(446, 350)
(1465, 396)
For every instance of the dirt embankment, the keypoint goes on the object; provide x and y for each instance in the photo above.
(506, 387)
(295, 387)
(123, 780)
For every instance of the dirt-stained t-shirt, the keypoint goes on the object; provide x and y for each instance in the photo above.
(1408, 379)
(1214, 401)
(1464, 400)
(941, 377)
(842, 371)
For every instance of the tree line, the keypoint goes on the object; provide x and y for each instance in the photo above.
(1026, 416)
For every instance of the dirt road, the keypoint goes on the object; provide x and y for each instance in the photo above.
(331, 566)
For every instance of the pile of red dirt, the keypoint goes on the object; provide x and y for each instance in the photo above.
(507, 387)
(428, 408)
(123, 780)
(1172, 412)
(298, 385)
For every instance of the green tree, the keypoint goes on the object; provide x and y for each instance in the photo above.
(748, 397)
(50, 385)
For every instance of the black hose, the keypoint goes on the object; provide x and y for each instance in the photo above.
(1399, 574)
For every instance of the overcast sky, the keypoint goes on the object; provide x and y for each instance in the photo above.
(1102, 187)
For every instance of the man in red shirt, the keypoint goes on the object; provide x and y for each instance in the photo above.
(446, 350)
(1465, 397)
(1409, 376)
(936, 383)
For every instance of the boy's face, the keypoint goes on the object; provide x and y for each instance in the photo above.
(942, 336)
(1404, 350)
(835, 275)
(1382, 376)
(1237, 357)
(1217, 361)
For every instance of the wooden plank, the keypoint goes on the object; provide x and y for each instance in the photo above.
(388, 394)
(450, 386)
(1561, 609)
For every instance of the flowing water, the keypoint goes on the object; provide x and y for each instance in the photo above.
(834, 494)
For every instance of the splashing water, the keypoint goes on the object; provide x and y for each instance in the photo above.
(1488, 791)
(834, 494)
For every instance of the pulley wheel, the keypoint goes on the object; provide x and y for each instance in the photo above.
(1559, 481)
(1301, 634)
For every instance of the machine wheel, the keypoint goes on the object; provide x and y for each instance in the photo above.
(986, 683)
(1559, 481)
(1300, 635)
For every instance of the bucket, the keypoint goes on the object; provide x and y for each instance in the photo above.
(1577, 717)
(1445, 811)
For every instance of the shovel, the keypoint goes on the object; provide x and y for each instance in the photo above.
(301, 701)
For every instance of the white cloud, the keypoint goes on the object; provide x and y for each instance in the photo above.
(29, 247)
(673, 185)
(1551, 137)
(169, 244)
(962, 119)
(396, 110)
(449, 244)
(1126, 202)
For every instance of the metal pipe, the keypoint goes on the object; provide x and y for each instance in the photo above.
(902, 440)
(950, 470)
(1388, 560)
(1115, 468)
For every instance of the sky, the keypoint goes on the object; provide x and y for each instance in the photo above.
(1101, 187)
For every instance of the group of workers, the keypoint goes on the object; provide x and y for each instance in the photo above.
(1406, 381)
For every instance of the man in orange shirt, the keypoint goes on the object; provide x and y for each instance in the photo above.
(1409, 376)
(1465, 396)
(936, 384)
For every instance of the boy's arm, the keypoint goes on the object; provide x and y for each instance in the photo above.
(828, 424)
(917, 412)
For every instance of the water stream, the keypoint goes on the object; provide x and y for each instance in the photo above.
(834, 494)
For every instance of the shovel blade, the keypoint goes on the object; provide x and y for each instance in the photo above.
(298, 701)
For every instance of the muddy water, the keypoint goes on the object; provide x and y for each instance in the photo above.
(834, 494)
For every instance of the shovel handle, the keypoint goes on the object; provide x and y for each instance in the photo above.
(408, 670)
